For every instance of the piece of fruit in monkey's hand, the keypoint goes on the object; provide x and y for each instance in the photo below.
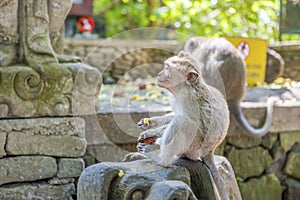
(146, 121)
(149, 140)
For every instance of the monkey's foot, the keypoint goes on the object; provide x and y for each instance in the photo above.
(146, 148)
(134, 156)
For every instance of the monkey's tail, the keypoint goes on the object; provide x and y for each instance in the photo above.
(210, 163)
(237, 112)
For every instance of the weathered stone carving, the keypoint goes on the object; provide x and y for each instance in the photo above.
(143, 179)
(34, 79)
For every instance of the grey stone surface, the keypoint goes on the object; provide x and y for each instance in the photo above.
(290, 53)
(288, 139)
(61, 146)
(89, 159)
(201, 180)
(243, 141)
(266, 187)
(107, 152)
(2, 143)
(277, 165)
(120, 56)
(69, 168)
(142, 179)
(269, 140)
(292, 165)
(286, 117)
(293, 191)
(168, 190)
(60, 181)
(39, 190)
(37, 80)
(54, 126)
(249, 162)
(26, 168)
(122, 180)
(220, 149)
(228, 177)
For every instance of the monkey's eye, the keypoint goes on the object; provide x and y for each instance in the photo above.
(167, 66)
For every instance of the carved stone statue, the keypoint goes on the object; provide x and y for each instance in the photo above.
(35, 79)
(144, 179)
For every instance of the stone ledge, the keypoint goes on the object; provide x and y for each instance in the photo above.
(38, 190)
(26, 168)
(120, 127)
(66, 126)
(79, 42)
(60, 146)
(286, 46)
(69, 168)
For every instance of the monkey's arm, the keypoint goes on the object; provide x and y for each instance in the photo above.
(155, 121)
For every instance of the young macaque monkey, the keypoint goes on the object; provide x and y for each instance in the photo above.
(223, 68)
(197, 125)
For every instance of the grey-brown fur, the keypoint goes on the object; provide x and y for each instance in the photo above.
(199, 121)
(223, 68)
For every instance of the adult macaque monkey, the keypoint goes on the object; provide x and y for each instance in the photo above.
(223, 68)
(199, 121)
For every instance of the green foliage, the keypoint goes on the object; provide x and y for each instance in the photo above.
(211, 18)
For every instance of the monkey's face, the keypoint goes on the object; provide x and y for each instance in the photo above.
(171, 77)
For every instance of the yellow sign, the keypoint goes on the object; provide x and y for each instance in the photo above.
(254, 52)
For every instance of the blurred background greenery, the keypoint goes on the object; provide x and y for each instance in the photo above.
(211, 18)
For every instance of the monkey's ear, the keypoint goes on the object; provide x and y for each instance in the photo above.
(192, 76)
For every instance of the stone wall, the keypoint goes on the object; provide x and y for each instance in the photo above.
(265, 168)
(41, 157)
(291, 55)
(116, 57)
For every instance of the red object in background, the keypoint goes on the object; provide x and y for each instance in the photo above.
(86, 24)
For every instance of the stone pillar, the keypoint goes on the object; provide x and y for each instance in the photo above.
(41, 141)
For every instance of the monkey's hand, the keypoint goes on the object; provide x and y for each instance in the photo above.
(146, 135)
(146, 148)
(146, 123)
(134, 156)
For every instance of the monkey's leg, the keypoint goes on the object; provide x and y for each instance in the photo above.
(155, 121)
(177, 139)
(209, 161)
(134, 156)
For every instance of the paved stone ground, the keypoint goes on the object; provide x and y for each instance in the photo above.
(143, 95)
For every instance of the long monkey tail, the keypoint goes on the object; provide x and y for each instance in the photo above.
(210, 163)
(237, 112)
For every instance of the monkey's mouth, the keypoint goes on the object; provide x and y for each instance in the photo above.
(161, 83)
